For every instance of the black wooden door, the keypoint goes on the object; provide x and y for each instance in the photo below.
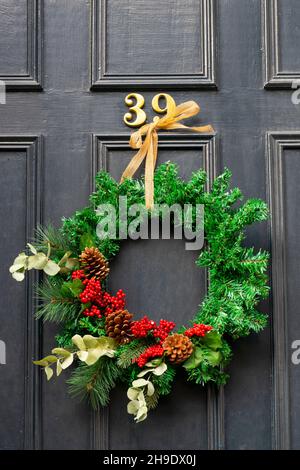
(68, 65)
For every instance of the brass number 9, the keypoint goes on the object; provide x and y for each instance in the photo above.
(135, 109)
(169, 102)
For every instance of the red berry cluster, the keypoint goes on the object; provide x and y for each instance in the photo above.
(140, 328)
(114, 303)
(92, 291)
(78, 274)
(93, 294)
(198, 330)
(151, 352)
(163, 329)
(94, 311)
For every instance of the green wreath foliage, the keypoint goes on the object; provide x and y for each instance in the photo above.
(236, 273)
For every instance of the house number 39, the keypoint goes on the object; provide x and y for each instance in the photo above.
(136, 115)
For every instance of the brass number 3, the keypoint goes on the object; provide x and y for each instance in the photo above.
(140, 115)
(135, 109)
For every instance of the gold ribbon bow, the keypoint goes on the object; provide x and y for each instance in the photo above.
(148, 146)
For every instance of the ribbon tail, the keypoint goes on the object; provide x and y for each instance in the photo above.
(136, 161)
(186, 110)
(149, 171)
(155, 148)
(202, 129)
(136, 139)
(183, 111)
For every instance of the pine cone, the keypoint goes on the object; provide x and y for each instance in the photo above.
(94, 264)
(117, 325)
(178, 348)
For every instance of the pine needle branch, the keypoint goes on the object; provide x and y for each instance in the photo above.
(163, 383)
(55, 306)
(50, 235)
(152, 401)
(95, 382)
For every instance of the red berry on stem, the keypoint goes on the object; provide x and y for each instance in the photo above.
(141, 328)
(78, 274)
(150, 353)
(199, 330)
(163, 329)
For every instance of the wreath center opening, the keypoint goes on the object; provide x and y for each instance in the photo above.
(154, 275)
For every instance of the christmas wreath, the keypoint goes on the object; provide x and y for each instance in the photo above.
(106, 342)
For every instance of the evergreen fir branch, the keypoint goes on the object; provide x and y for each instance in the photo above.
(83, 221)
(250, 262)
(82, 326)
(133, 189)
(168, 187)
(194, 189)
(131, 374)
(239, 291)
(109, 248)
(221, 183)
(95, 382)
(107, 190)
(254, 263)
(207, 373)
(92, 326)
(232, 196)
(64, 337)
(254, 210)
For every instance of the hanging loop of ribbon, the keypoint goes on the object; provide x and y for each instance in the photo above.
(145, 140)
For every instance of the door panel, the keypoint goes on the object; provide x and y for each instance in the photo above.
(20, 44)
(20, 182)
(189, 152)
(86, 55)
(282, 63)
(135, 43)
(283, 170)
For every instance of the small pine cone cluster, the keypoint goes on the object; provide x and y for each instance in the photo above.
(178, 348)
(94, 264)
(117, 326)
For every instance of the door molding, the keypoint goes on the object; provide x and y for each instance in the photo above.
(275, 77)
(277, 143)
(32, 80)
(102, 144)
(33, 148)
